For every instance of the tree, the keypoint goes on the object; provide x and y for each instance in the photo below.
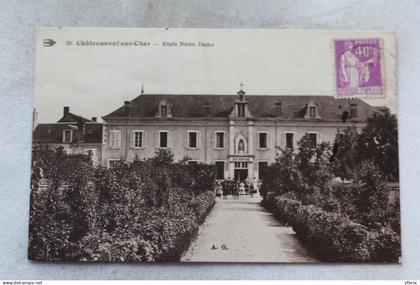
(344, 158)
(378, 142)
(313, 162)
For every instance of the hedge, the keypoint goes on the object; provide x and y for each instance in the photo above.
(332, 236)
(158, 239)
(147, 210)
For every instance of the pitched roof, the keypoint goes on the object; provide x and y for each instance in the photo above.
(260, 106)
(53, 133)
(71, 118)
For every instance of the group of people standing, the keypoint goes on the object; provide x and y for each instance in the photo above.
(226, 187)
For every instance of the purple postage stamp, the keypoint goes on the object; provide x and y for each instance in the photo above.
(358, 67)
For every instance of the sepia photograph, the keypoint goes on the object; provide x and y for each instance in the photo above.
(215, 145)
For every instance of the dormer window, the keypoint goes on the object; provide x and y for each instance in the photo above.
(163, 111)
(312, 113)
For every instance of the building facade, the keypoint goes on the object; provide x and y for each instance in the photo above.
(75, 134)
(240, 134)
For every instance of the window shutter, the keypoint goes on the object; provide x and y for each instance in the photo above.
(119, 139)
(268, 140)
(132, 137)
(169, 139)
(144, 142)
(284, 140)
(213, 140)
(104, 134)
(156, 139)
(186, 139)
(198, 139)
(111, 138)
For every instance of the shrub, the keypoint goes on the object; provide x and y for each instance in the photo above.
(371, 199)
(387, 246)
(144, 211)
(334, 237)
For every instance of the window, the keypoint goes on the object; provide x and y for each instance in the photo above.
(220, 139)
(312, 112)
(138, 139)
(312, 139)
(192, 139)
(262, 165)
(192, 162)
(241, 110)
(262, 138)
(353, 110)
(163, 139)
(220, 169)
(289, 140)
(115, 139)
(163, 110)
(67, 136)
(241, 165)
(112, 163)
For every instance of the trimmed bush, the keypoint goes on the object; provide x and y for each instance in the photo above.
(144, 211)
(334, 237)
(161, 238)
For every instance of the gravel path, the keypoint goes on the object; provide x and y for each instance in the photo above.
(243, 231)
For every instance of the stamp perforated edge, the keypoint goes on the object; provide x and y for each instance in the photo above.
(383, 70)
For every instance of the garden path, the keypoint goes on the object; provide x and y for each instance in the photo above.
(243, 231)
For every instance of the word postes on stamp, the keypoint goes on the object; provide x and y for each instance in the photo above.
(358, 67)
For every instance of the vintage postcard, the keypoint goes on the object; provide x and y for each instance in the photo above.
(211, 145)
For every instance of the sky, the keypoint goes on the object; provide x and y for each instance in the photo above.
(95, 80)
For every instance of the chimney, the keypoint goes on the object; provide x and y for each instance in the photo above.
(34, 119)
(127, 107)
(94, 119)
(66, 111)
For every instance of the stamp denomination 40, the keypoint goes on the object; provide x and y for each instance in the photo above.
(358, 68)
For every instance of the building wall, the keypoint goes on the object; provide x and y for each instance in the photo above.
(78, 148)
(206, 151)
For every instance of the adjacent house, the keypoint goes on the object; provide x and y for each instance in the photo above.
(77, 135)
